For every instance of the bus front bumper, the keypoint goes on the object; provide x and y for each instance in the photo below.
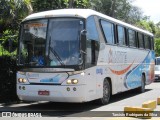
(55, 93)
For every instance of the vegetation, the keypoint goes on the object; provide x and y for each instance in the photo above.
(13, 11)
(11, 14)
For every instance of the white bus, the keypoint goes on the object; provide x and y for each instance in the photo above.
(80, 55)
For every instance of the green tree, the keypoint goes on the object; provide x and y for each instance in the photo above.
(119, 9)
(147, 25)
(157, 35)
(39, 5)
(157, 46)
(11, 14)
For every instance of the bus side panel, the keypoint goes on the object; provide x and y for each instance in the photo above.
(125, 67)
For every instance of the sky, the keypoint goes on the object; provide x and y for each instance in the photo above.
(150, 8)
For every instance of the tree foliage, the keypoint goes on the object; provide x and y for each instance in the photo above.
(157, 46)
(39, 5)
(12, 12)
(147, 25)
(119, 9)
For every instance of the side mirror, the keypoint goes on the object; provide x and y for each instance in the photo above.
(83, 36)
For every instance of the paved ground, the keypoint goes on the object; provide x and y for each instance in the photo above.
(60, 111)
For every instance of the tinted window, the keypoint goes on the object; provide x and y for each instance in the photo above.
(132, 38)
(108, 29)
(92, 33)
(147, 42)
(92, 43)
(140, 39)
(121, 35)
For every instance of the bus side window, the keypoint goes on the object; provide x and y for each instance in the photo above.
(140, 40)
(147, 42)
(132, 38)
(108, 30)
(92, 42)
(121, 35)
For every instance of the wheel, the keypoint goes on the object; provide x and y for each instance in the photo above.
(106, 93)
(141, 89)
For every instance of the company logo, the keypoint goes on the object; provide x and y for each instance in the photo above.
(118, 57)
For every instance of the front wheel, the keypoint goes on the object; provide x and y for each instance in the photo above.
(106, 93)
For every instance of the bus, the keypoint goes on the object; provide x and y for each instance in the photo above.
(80, 55)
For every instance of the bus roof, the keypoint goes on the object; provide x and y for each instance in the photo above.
(83, 13)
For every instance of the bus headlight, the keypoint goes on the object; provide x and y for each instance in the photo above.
(22, 80)
(69, 81)
(72, 81)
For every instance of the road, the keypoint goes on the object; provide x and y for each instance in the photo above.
(90, 109)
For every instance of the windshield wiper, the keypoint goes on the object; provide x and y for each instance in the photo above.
(55, 53)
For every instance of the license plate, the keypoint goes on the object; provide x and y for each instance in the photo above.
(43, 92)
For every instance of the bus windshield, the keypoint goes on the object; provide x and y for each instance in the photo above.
(50, 42)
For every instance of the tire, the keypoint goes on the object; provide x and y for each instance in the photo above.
(141, 89)
(106, 93)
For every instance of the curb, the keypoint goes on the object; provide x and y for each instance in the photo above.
(150, 104)
(144, 112)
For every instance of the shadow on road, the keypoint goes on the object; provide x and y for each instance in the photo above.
(127, 94)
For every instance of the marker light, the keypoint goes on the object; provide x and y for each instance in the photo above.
(74, 89)
(68, 89)
(23, 88)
